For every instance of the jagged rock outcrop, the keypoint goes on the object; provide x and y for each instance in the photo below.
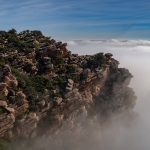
(43, 85)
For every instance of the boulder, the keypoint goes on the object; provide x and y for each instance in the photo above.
(70, 81)
(21, 95)
(33, 116)
(10, 80)
(3, 89)
(21, 98)
(10, 110)
(58, 100)
(6, 69)
(3, 104)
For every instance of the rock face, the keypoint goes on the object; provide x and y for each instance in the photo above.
(7, 121)
(43, 85)
(10, 109)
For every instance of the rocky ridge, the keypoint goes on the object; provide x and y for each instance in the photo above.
(43, 85)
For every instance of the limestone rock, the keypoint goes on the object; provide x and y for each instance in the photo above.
(58, 100)
(3, 89)
(6, 69)
(3, 104)
(21, 98)
(11, 110)
(70, 81)
(10, 80)
(33, 116)
(70, 84)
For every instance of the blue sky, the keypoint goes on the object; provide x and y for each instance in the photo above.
(79, 19)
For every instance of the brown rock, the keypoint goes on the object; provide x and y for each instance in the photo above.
(58, 100)
(21, 98)
(33, 116)
(3, 89)
(3, 104)
(10, 110)
(10, 80)
(21, 95)
(6, 69)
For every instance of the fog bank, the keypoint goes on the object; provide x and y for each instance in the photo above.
(134, 55)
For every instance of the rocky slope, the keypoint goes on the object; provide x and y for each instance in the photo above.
(43, 85)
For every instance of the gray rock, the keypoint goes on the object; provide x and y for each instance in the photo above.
(70, 81)
(69, 88)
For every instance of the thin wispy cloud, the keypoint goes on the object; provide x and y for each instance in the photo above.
(78, 18)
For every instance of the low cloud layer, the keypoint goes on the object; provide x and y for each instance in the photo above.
(113, 45)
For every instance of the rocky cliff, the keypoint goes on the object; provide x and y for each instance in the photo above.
(43, 85)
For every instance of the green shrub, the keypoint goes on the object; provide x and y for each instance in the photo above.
(36, 84)
(100, 59)
(58, 61)
(2, 97)
(2, 62)
(39, 83)
(2, 110)
(71, 69)
(3, 49)
(12, 31)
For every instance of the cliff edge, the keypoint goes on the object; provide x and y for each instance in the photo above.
(43, 85)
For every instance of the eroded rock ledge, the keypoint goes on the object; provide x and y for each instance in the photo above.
(42, 85)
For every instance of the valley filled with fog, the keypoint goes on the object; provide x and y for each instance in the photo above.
(134, 55)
